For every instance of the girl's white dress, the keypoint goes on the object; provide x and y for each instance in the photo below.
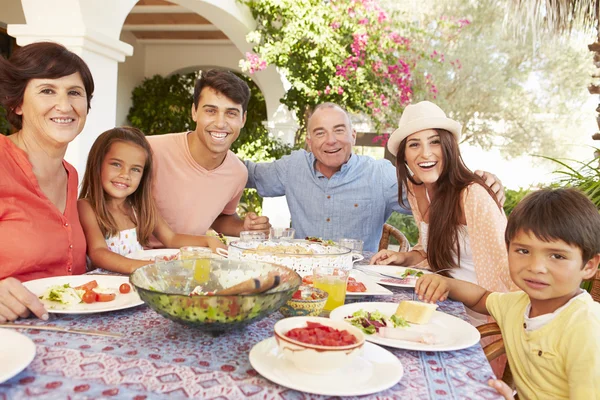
(125, 242)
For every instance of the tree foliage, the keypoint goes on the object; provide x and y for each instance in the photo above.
(523, 95)
(351, 52)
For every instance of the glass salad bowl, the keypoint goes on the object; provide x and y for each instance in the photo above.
(167, 288)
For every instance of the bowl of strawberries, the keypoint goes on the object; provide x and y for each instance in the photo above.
(306, 301)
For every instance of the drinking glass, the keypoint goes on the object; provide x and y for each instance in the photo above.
(352, 244)
(333, 281)
(282, 233)
(197, 258)
(252, 235)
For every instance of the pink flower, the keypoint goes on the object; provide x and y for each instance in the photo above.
(255, 63)
(327, 90)
(340, 90)
(335, 25)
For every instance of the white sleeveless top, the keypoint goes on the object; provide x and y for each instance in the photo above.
(125, 242)
(466, 266)
(466, 270)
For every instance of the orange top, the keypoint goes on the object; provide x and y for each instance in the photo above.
(37, 240)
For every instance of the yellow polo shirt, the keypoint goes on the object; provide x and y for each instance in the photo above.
(561, 360)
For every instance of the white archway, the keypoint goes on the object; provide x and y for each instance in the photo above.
(236, 21)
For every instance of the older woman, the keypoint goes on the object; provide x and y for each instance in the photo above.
(46, 90)
(461, 223)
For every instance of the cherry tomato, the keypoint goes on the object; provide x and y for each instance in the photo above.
(88, 286)
(89, 297)
(124, 288)
(105, 296)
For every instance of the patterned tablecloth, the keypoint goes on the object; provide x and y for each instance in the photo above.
(157, 358)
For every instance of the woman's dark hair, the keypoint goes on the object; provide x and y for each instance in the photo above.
(445, 210)
(41, 60)
(558, 214)
(226, 83)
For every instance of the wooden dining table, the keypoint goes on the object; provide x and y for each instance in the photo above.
(157, 358)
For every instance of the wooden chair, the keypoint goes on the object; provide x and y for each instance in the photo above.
(389, 230)
(595, 292)
(496, 349)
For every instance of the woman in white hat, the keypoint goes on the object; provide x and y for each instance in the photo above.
(461, 224)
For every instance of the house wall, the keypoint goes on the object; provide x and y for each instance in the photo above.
(131, 74)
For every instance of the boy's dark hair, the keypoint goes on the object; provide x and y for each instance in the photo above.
(558, 214)
(224, 82)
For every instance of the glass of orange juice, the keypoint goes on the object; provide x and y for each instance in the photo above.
(333, 281)
(197, 258)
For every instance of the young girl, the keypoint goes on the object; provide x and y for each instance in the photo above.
(116, 207)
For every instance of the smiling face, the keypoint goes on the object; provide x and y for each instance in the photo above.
(330, 138)
(122, 170)
(218, 121)
(424, 156)
(549, 272)
(54, 110)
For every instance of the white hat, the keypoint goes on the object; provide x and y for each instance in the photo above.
(419, 117)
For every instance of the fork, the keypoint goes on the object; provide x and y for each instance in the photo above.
(381, 274)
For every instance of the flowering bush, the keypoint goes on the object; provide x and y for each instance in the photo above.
(350, 52)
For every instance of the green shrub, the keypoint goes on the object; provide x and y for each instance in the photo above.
(4, 124)
(513, 197)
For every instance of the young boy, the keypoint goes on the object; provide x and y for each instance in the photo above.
(551, 329)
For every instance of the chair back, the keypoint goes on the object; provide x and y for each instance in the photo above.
(595, 292)
(389, 230)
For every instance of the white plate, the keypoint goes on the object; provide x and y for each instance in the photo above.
(375, 370)
(131, 299)
(393, 270)
(150, 254)
(452, 333)
(16, 353)
(373, 289)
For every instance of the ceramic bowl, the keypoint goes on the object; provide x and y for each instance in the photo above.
(317, 359)
(166, 288)
(311, 304)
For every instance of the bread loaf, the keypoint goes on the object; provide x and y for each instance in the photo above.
(415, 312)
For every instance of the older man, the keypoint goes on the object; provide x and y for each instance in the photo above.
(331, 192)
(198, 180)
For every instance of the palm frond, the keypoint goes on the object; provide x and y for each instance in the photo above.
(554, 16)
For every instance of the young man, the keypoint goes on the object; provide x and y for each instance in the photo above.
(331, 192)
(199, 181)
(551, 329)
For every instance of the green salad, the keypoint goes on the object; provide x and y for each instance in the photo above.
(63, 294)
(370, 322)
(411, 272)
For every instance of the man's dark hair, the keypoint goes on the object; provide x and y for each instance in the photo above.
(226, 83)
(558, 214)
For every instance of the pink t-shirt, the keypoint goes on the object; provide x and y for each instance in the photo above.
(188, 196)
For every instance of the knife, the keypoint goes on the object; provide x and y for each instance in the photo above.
(61, 329)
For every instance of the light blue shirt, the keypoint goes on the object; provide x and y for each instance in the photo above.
(354, 203)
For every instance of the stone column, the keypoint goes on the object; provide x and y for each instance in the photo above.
(91, 29)
(283, 127)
